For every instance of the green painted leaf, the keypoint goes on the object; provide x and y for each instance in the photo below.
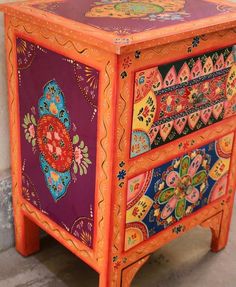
(28, 118)
(199, 178)
(184, 165)
(81, 145)
(75, 139)
(24, 126)
(88, 160)
(75, 168)
(33, 142)
(166, 195)
(81, 172)
(85, 163)
(85, 155)
(27, 135)
(84, 169)
(33, 120)
(26, 121)
(180, 208)
(85, 149)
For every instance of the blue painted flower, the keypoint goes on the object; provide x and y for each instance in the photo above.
(196, 41)
(121, 175)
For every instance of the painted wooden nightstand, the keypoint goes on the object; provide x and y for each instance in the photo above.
(122, 117)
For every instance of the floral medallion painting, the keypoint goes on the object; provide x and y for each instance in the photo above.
(131, 16)
(133, 9)
(163, 196)
(58, 112)
(177, 99)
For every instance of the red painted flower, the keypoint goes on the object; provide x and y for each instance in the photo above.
(54, 143)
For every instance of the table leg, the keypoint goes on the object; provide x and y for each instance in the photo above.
(220, 226)
(129, 273)
(27, 235)
(122, 278)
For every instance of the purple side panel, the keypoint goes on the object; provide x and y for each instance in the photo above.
(38, 66)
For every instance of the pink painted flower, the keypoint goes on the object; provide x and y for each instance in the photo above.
(50, 181)
(49, 135)
(60, 187)
(56, 136)
(58, 151)
(50, 147)
(32, 131)
(78, 155)
(183, 187)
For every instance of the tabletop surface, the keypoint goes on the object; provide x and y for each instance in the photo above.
(126, 17)
(131, 21)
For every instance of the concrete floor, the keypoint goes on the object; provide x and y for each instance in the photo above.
(185, 262)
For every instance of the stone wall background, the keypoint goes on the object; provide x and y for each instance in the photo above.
(6, 226)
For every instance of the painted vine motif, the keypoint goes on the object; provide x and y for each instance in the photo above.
(58, 112)
(163, 196)
(58, 152)
(177, 99)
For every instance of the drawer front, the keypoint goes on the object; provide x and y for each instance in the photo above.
(176, 99)
(161, 197)
(58, 104)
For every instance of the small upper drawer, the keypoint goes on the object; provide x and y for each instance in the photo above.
(178, 98)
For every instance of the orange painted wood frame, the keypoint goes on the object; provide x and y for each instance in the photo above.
(115, 266)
